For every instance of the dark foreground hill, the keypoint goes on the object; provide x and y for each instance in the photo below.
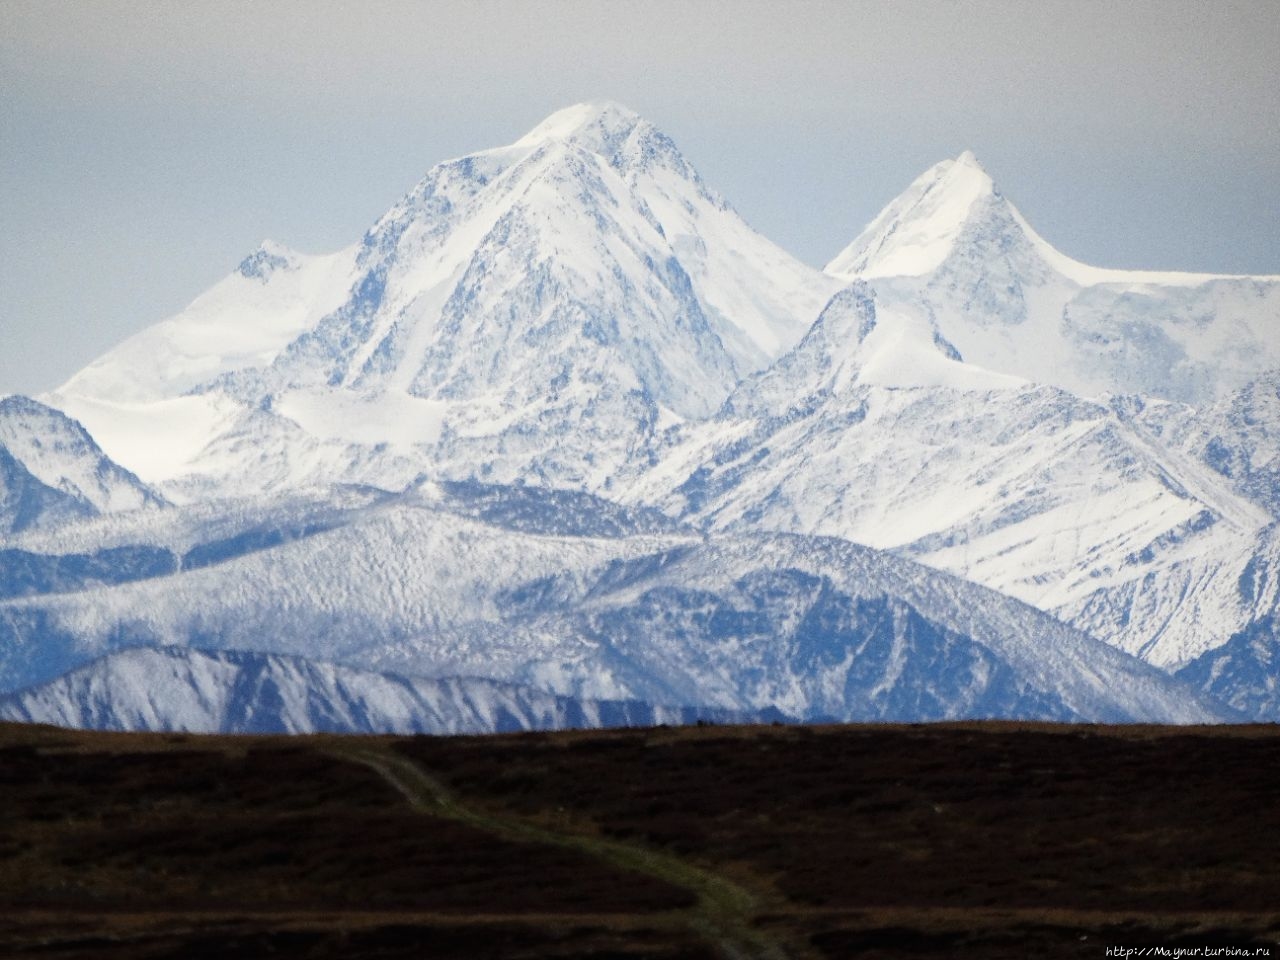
(976, 840)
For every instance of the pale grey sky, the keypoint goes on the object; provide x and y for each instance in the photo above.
(145, 148)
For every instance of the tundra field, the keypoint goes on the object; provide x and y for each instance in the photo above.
(987, 840)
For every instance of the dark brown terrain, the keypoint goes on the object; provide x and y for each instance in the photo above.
(979, 840)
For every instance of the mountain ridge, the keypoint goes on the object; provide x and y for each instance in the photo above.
(575, 327)
(193, 691)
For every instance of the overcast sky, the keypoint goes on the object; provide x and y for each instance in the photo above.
(145, 148)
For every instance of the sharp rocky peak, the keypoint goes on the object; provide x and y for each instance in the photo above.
(916, 232)
(266, 260)
(963, 173)
(553, 151)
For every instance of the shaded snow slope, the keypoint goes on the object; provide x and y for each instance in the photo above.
(26, 502)
(816, 628)
(172, 688)
(51, 470)
(1244, 672)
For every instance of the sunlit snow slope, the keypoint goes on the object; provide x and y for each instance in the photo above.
(52, 471)
(537, 311)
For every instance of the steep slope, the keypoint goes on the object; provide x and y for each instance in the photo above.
(142, 400)
(1245, 671)
(1010, 302)
(52, 471)
(171, 688)
(26, 502)
(242, 323)
(815, 628)
(1237, 436)
(872, 429)
(542, 309)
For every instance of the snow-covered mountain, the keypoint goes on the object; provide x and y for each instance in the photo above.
(873, 429)
(1243, 672)
(538, 311)
(52, 471)
(1008, 301)
(510, 585)
(562, 421)
(25, 501)
(173, 688)
(1237, 436)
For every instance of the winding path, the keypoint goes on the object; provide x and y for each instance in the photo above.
(723, 911)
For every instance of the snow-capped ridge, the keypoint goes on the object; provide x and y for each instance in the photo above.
(58, 451)
(914, 233)
(814, 627)
(196, 691)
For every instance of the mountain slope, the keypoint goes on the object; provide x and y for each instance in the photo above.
(824, 629)
(170, 688)
(26, 502)
(1237, 436)
(815, 628)
(872, 429)
(543, 309)
(1008, 301)
(52, 471)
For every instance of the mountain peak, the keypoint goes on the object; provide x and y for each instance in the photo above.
(268, 258)
(618, 135)
(963, 173)
(593, 123)
(914, 234)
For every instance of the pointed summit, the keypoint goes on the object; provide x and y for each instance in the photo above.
(916, 232)
(626, 141)
(1010, 302)
(593, 122)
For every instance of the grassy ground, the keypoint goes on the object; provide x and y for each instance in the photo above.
(989, 841)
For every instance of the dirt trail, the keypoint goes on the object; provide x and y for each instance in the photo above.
(723, 912)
